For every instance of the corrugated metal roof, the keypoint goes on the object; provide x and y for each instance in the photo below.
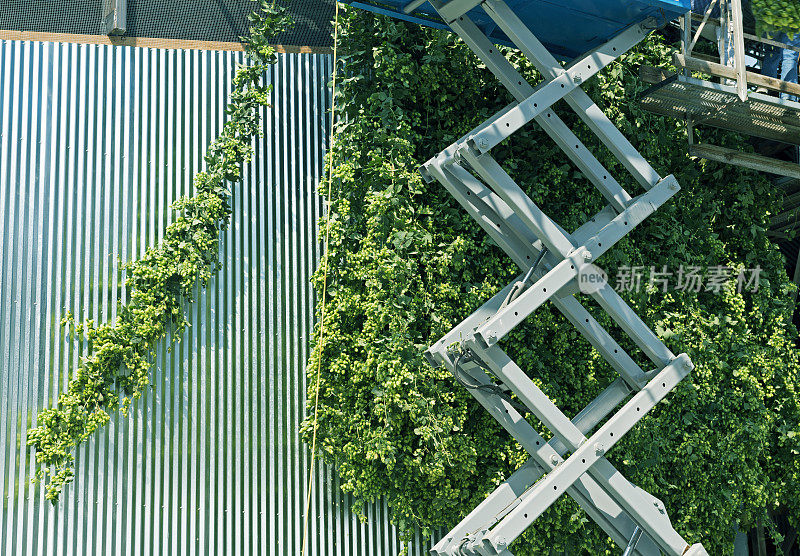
(202, 20)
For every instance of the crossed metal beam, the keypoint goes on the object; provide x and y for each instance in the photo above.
(552, 261)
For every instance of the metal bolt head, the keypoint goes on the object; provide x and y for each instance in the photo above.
(688, 365)
(483, 142)
(554, 459)
(599, 448)
(587, 256)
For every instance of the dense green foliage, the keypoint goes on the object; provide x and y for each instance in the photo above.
(163, 281)
(407, 264)
(778, 17)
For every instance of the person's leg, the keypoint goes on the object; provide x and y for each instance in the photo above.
(772, 58)
(700, 7)
(789, 64)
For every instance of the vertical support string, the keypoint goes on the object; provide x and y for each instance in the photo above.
(325, 259)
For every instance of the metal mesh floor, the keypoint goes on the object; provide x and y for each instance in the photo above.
(719, 106)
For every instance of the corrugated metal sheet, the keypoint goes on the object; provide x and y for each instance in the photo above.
(95, 142)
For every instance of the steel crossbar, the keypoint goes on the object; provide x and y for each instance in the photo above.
(552, 262)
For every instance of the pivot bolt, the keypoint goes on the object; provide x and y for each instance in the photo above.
(587, 256)
(554, 459)
(599, 448)
(483, 143)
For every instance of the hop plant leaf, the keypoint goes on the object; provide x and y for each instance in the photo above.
(407, 264)
(162, 282)
(774, 17)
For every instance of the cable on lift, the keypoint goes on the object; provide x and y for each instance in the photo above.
(664, 19)
(492, 389)
(522, 284)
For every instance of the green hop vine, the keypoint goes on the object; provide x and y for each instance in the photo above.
(774, 17)
(408, 263)
(162, 282)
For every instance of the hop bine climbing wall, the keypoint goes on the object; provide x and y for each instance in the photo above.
(556, 266)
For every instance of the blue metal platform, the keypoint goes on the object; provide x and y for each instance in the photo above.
(567, 28)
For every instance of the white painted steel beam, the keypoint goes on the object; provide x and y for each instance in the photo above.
(521, 89)
(580, 102)
(551, 260)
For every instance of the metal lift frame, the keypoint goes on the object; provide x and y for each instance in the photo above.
(554, 260)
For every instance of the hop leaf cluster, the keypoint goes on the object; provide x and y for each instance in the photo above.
(774, 17)
(407, 264)
(163, 281)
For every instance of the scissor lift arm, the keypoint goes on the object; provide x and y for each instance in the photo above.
(550, 261)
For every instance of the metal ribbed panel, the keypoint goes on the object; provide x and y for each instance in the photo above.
(95, 142)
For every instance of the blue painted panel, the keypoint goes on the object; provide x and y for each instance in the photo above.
(567, 27)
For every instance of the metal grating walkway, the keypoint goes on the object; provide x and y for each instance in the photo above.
(718, 105)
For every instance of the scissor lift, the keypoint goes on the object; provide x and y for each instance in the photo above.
(556, 266)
